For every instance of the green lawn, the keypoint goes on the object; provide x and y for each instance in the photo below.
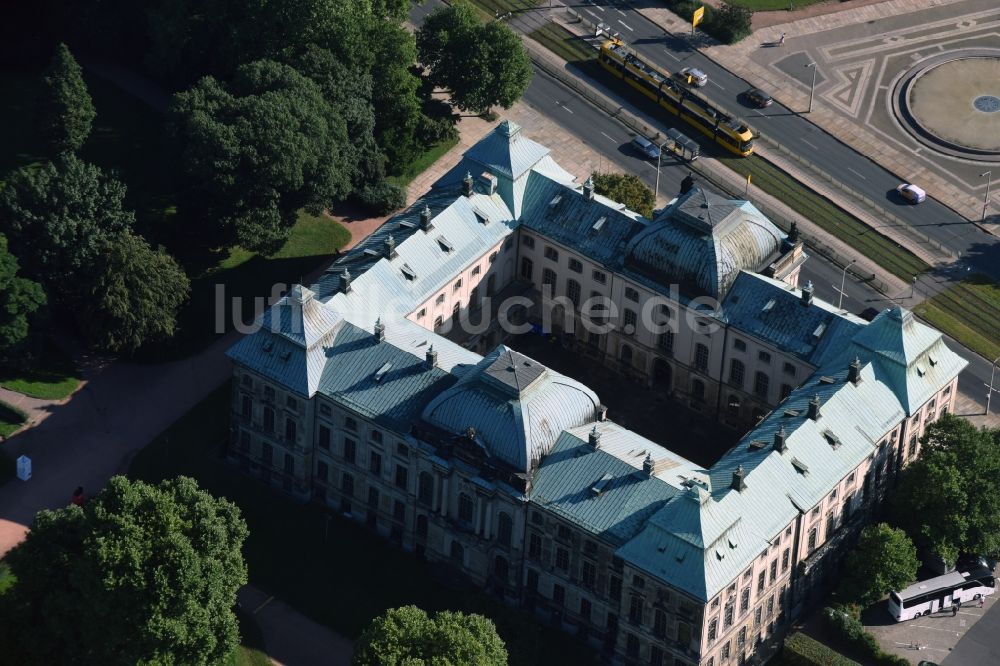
(11, 419)
(504, 6)
(327, 567)
(423, 162)
(251, 651)
(969, 312)
(53, 377)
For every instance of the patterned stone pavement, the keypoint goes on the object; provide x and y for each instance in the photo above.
(860, 53)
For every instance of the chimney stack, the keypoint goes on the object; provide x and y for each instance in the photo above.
(345, 282)
(854, 371)
(389, 247)
(602, 413)
(379, 330)
(594, 438)
(588, 189)
(814, 408)
(779, 440)
(425, 219)
(807, 294)
(431, 357)
(738, 483)
(647, 465)
(467, 184)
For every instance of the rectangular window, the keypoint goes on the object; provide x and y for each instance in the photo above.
(757, 615)
(375, 436)
(292, 403)
(476, 270)
(559, 595)
(789, 369)
(635, 610)
(289, 464)
(774, 570)
(290, 431)
(764, 357)
(535, 546)
(532, 580)
(573, 292)
(727, 620)
(247, 407)
(562, 559)
(268, 419)
(585, 608)
(375, 463)
(401, 476)
(713, 630)
(325, 410)
(527, 241)
(786, 390)
(665, 342)
(744, 600)
(466, 508)
(628, 322)
(739, 345)
(551, 253)
(761, 384)
(269, 393)
(439, 300)
(784, 560)
(323, 438)
(398, 511)
(659, 622)
(615, 588)
(600, 277)
(762, 580)
(770, 606)
(631, 646)
(350, 450)
(402, 450)
(373, 497)
(422, 313)
(350, 424)
(588, 573)
(631, 295)
(575, 265)
(457, 285)
(322, 470)
(549, 277)
(736, 372)
(526, 268)
(701, 357)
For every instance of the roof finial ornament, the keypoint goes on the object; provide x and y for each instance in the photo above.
(594, 438)
(647, 465)
(739, 480)
(588, 188)
(379, 330)
(467, 184)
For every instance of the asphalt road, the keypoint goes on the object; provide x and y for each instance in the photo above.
(609, 137)
(791, 128)
(979, 646)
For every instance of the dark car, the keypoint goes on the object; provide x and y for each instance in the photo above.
(758, 98)
(968, 562)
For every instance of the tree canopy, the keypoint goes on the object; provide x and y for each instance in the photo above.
(628, 189)
(949, 498)
(483, 65)
(19, 300)
(59, 217)
(407, 636)
(65, 110)
(257, 149)
(884, 560)
(134, 295)
(141, 574)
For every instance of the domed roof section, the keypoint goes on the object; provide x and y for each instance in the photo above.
(516, 406)
(702, 241)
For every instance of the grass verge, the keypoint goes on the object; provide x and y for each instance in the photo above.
(251, 651)
(885, 252)
(492, 7)
(53, 376)
(423, 162)
(563, 43)
(307, 556)
(11, 420)
(773, 5)
(969, 312)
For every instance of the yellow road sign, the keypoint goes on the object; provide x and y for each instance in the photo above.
(699, 15)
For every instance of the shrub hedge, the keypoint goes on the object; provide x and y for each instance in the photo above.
(845, 622)
(801, 650)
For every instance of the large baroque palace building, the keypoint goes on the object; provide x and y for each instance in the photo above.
(384, 391)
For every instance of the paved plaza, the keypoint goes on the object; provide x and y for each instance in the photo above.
(861, 54)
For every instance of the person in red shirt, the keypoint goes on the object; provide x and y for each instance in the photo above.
(78, 496)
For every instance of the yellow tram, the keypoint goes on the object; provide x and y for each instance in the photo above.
(656, 84)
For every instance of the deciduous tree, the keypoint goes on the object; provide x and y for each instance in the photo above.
(949, 498)
(628, 189)
(407, 636)
(58, 218)
(482, 65)
(134, 295)
(884, 560)
(141, 574)
(19, 300)
(256, 150)
(65, 110)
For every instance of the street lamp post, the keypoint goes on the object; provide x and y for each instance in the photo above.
(659, 155)
(812, 89)
(986, 199)
(843, 283)
(993, 369)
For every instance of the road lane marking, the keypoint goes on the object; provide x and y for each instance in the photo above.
(809, 144)
(621, 12)
(266, 602)
(625, 24)
(565, 107)
(759, 113)
(856, 173)
(610, 137)
(716, 85)
(592, 14)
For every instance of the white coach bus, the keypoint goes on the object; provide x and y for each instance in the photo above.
(941, 593)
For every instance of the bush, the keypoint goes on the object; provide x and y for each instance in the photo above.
(801, 650)
(727, 24)
(383, 198)
(434, 129)
(845, 622)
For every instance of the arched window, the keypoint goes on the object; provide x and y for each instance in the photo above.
(425, 490)
(626, 355)
(500, 568)
(457, 552)
(505, 526)
(701, 357)
(573, 292)
(736, 372)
